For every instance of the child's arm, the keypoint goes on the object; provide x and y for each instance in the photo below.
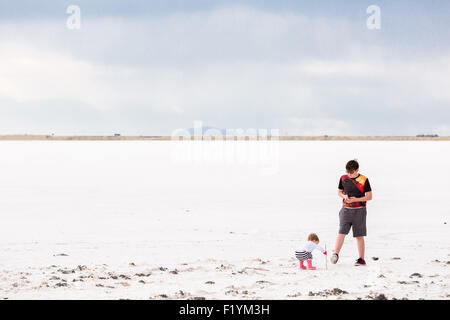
(321, 249)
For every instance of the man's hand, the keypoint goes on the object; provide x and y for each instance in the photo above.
(342, 194)
(367, 197)
(351, 200)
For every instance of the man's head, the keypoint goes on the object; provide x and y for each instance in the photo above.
(352, 168)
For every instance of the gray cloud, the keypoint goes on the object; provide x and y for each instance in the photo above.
(231, 67)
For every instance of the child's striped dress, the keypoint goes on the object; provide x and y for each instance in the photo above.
(304, 253)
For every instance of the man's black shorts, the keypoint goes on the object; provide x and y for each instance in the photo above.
(353, 218)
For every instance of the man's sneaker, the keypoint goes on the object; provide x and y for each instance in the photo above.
(360, 262)
(334, 258)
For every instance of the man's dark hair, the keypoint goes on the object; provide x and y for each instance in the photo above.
(352, 166)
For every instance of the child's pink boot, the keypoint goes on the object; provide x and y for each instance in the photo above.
(302, 266)
(310, 266)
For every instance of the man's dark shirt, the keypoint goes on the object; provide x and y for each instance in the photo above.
(355, 187)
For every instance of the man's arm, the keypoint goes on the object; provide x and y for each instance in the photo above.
(367, 197)
(342, 195)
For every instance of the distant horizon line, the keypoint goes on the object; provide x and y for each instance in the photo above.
(119, 137)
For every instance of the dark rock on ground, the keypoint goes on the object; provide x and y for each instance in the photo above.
(298, 294)
(197, 298)
(263, 282)
(61, 284)
(143, 274)
(232, 291)
(325, 293)
(415, 274)
(337, 291)
(66, 271)
(380, 296)
(407, 282)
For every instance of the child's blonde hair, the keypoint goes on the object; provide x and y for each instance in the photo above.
(313, 237)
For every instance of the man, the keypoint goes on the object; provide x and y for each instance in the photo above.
(355, 190)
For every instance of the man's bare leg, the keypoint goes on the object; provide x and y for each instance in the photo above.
(337, 248)
(339, 243)
(361, 246)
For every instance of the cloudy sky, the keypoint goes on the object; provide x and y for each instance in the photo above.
(151, 67)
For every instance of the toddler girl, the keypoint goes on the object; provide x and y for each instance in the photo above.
(304, 253)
